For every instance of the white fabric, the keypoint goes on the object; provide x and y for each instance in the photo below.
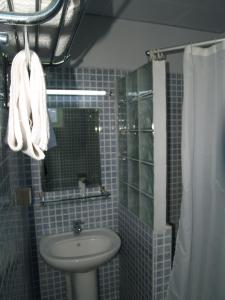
(199, 264)
(28, 124)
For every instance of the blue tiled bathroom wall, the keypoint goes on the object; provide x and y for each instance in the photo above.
(151, 269)
(58, 217)
(15, 255)
(145, 257)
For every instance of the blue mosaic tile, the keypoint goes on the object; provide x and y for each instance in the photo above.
(58, 217)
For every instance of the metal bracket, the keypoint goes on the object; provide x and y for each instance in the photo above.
(155, 54)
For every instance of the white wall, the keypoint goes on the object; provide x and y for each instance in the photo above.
(110, 43)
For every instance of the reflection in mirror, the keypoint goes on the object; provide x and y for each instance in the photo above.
(75, 160)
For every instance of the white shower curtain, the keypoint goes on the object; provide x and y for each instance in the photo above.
(199, 265)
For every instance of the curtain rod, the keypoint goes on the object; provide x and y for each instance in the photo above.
(182, 47)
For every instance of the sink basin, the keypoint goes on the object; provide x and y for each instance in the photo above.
(79, 256)
(79, 253)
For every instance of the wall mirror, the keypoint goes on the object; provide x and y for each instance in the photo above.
(75, 153)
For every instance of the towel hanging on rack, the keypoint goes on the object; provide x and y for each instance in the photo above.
(28, 124)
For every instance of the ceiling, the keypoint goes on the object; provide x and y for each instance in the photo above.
(205, 15)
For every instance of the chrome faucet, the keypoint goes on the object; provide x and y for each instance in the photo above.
(77, 227)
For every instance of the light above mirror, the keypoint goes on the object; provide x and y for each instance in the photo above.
(76, 92)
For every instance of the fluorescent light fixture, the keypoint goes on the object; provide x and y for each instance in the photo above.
(76, 92)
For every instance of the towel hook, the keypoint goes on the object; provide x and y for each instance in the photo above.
(26, 47)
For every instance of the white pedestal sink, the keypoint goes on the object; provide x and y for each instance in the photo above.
(79, 256)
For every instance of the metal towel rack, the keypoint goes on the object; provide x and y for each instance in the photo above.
(36, 18)
(16, 19)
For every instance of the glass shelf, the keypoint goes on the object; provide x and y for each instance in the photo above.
(137, 189)
(141, 161)
(44, 202)
(140, 130)
(148, 95)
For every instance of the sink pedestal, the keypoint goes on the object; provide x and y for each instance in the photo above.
(82, 286)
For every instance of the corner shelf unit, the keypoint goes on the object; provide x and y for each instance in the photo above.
(136, 134)
(139, 143)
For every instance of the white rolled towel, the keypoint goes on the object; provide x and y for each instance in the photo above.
(28, 123)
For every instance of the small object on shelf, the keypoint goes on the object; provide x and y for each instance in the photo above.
(42, 198)
(102, 189)
(82, 180)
